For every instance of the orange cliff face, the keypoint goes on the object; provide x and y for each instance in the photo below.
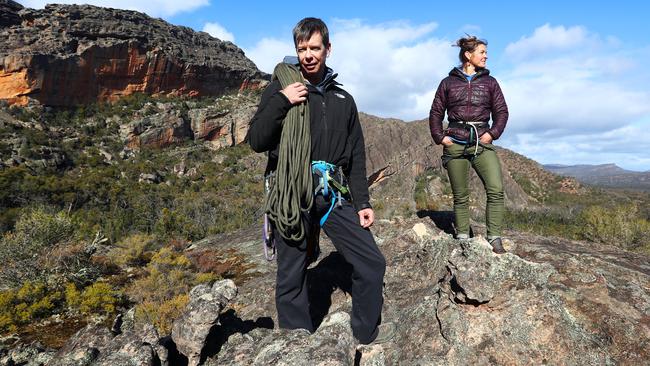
(66, 55)
(105, 74)
(14, 85)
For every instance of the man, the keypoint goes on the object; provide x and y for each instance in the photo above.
(336, 138)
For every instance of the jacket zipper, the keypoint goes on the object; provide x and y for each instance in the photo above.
(469, 96)
(324, 114)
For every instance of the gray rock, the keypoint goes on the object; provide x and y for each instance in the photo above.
(545, 302)
(190, 331)
(137, 344)
(9, 13)
(149, 178)
(332, 344)
(26, 355)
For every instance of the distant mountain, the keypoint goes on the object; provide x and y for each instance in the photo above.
(607, 175)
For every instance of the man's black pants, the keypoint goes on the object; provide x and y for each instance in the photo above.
(359, 249)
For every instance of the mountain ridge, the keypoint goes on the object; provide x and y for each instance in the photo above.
(606, 175)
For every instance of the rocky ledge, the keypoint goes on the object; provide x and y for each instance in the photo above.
(66, 55)
(545, 302)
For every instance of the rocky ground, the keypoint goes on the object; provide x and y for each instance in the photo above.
(547, 301)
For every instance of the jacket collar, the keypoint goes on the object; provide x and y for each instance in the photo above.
(328, 79)
(459, 73)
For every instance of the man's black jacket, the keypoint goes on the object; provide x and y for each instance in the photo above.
(336, 135)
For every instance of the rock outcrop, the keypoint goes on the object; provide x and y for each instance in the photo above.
(218, 126)
(547, 301)
(132, 343)
(9, 13)
(190, 331)
(67, 55)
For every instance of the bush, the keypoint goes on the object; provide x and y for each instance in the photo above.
(20, 251)
(134, 250)
(33, 300)
(424, 200)
(99, 298)
(162, 314)
(620, 225)
(162, 294)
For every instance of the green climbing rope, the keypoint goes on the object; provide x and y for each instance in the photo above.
(291, 190)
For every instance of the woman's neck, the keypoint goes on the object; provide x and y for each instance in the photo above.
(469, 69)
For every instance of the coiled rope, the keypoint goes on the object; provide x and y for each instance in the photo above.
(291, 192)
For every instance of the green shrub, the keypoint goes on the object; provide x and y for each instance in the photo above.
(36, 232)
(619, 225)
(161, 295)
(99, 298)
(31, 301)
(162, 314)
(133, 250)
(423, 198)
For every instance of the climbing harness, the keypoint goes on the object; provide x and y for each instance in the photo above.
(328, 186)
(472, 140)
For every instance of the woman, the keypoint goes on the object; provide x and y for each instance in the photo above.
(470, 96)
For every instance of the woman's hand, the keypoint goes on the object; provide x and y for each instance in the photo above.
(486, 138)
(296, 93)
(447, 141)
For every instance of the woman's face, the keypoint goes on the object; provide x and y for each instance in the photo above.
(479, 57)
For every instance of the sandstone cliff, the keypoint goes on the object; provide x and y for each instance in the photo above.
(67, 55)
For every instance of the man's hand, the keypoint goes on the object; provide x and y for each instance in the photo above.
(486, 138)
(447, 141)
(296, 93)
(366, 217)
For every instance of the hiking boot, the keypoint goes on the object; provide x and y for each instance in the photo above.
(462, 237)
(497, 246)
(385, 332)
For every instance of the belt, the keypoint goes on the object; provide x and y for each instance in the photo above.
(468, 124)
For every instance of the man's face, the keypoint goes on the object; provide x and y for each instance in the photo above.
(312, 54)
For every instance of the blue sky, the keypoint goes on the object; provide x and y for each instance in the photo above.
(574, 73)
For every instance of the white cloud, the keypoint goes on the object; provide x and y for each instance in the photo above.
(391, 69)
(269, 51)
(547, 39)
(576, 101)
(154, 8)
(218, 31)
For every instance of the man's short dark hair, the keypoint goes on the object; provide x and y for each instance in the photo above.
(307, 27)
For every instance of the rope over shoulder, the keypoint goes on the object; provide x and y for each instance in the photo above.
(291, 192)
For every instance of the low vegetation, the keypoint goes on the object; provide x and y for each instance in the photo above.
(90, 238)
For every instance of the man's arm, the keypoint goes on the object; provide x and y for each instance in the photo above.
(266, 126)
(357, 175)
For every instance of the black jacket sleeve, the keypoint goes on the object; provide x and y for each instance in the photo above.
(266, 126)
(357, 166)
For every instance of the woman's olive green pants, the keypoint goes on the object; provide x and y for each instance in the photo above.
(457, 159)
